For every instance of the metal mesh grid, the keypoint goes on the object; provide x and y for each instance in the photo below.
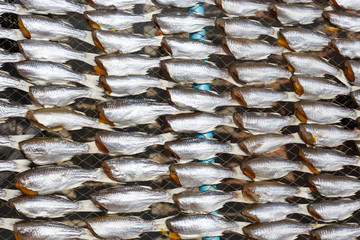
(231, 210)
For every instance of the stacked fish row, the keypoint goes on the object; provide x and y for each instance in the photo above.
(125, 113)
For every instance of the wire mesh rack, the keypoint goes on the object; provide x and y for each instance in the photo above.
(226, 134)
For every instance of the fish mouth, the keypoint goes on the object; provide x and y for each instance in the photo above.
(247, 170)
(299, 90)
(315, 235)
(22, 188)
(220, 25)
(237, 96)
(300, 113)
(17, 235)
(103, 84)
(99, 68)
(155, 20)
(171, 234)
(328, 25)
(283, 42)
(349, 72)
(91, 23)
(165, 45)
(96, 40)
(314, 213)
(307, 163)
(23, 28)
(100, 145)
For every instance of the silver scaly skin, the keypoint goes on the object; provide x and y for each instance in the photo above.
(329, 210)
(9, 110)
(290, 14)
(265, 143)
(250, 96)
(336, 232)
(53, 6)
(348, 47)
(298, 39)
(183, 3)
(120, 4)
(353, 5)
(269, 212)
(244, 8)
(344, 20)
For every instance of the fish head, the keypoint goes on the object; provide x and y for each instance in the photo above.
(99, 68)
(224, 43)
(102, 115)
(349, 71)
(157, 19)
(89, 19)
(327, 20)
(282, 40)
(313, 212)
(170, 234)
(99, 143)
(247, 212)
(234, 73)
(308, 137)
(236, 95)
(96, 40)
(104, 85)
(247, 169)
(307, 162)
(273, 10)
(289, 66)
(312, 186)
(300, 113)
(238, 120)
(164, 67)
(21, 24)
(19, 184)
(168, 147)
(248, 192)
(173, 174)
(220, 25)
(165, 46)
(299, 90)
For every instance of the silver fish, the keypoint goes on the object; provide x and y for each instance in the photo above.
(128, 143)
(13, 34)
(344, 20)
(197, 148)
(190, 48)
(116, 227)
(10, 110)
(111, 42)
(252, 73)
(284, 229)
(318, 88)
(204, 201)
(121, 86)
(298, 1)
(177, 22)
(301, 39)
(7, 194)
(124, 64)
(43, 151)
(347, 47)
(50, 179)
(120, 4)
(61, 118)
(243, 8)
(290, 14)
(129, 199)
(45, 28)
(8, 57)
(263, 168)
(53, 6)
(318, 159)
(334, 210)
(50, 51)
(47, 72)
(46, 230)
(186, 71)
(130, 112)
(9, 8)
(249, 49)
(44, 206)
(197, 174)
(265, 143)
(353, 5)
(182, 4)
(258, 122)
(312, 65)
(12, 141)
(197, 99)
(336, 232)
(8, 81)
(197, 122)
(267, 191)
(322, 112)
(328, 185)
(258, 97)
(60, 95)
(325, 135)
(18, 165)
(243, 28)
(352, 71)
(109, 19)
(355, 95)
(270, 212)
(128, 169)
(200, 225)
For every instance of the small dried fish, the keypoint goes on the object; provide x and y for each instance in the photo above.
(8, 57)
(291, 14)
(348, 47)
(258, 122)
(318, 88)
(11, 110)
(120, 4)
(130, 112)
(329, 210)
(326, 135)
(10, 8)
(249, 49)
(243, 8)
(318, 159)
(336, 232)
(352, 71)
(198, 174)
(111, 42)
(177, 22)
(344, 20)
(128, 143)
(53, 6)
(353, 5)
(8, 81)
(12, 141)
(197, 122)
(243, 28)
(328, 185)
(183, 3)
(355, 95)
(300, 39)
(252, 73)
(129, 169)
(18, 165)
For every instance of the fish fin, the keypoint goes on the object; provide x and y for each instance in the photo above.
(101, 176)
(93, 148)
(297, 138)
(303, 209)
(240, 197)
(165, 58)
(21, 165)
(97, 94)
(236, 150)
(168, 137)
(328, 8)
(19, 138)
(176, 190)
(149, 15)
(10, 193)
(8, 223)
(104, 126)
(354, 88)
(305, 193)
(276, 32)
(88, 235)
(230, 79)
(240, 226)
(88, 206)
(90, 58)
(26, 86)
(239, 174)
(305, 169)
(292, 97)
(88, 38)
(166, 84)
(343, 79)
(18, 35)
(161, 223)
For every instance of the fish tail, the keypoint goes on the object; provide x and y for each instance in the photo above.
(212, 2)
(88, 38)
(8, 223)
(292, 97)
(166, 84)
(158, 39)
(19, 138)
(161, 223)
(21, 165)
(236, 150)
(88, 206)
(10, 193)
(148, 16)
(238, 174)
(97, 94)
(305, 192)
(92, 82)
(101, 176)
(276, 32)
(90, 58)
(176, 190)
(343, 79)
(25, 86)
(168, 137)
(231, 80)
(303, 209)
(93, 149)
